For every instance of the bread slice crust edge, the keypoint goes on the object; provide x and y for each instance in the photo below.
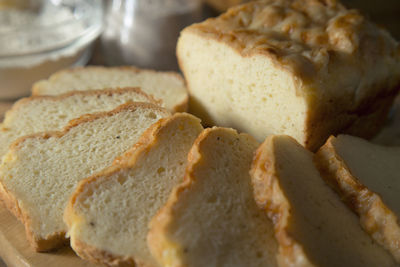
(166, 247)
(291, 253)
(158, 242)
(375, 217)
(179, 107)
(56, 240)
(125, 161)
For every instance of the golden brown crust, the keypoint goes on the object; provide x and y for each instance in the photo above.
(132, 106)
(126, 161)
(375, 217)
(12, 204)
(123, 68)
(180, 107)
(299, 34)
(157, 242)
(109, 92)
(55, 98)
(36, 89)
(160, 244)
(269, 196)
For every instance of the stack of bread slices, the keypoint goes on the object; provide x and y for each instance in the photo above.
(76, 124)
(107, 160)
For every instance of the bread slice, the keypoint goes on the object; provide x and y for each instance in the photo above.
(51, 113)
(211, 218)
(166, 86)
(305, 68)
(313, 226)
(40, 171)
(367, 176)
(108, 214)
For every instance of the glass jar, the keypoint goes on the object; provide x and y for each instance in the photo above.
(144, 32)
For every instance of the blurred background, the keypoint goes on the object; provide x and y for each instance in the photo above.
(39, 37)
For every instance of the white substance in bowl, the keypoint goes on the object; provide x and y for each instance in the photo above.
(34, 43)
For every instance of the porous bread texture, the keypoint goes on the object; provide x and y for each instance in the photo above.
(211, 218)
(305, 68)
(166, 86)
(51, 113)
(108, 214)
(367, 177)
(312, 225)
(39, 172)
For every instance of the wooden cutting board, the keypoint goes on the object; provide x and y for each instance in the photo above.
(16, 252)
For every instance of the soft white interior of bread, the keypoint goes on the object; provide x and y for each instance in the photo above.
(114, 210)
(215, 220)
(327, 230)
(51, 114)
(250, 93)
(377, 167)
(163, 86)
(42, 173)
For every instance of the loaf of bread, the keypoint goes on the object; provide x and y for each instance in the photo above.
(367, 176)
(108, 214)
(211, 218)
(39, 172)
(51, 113)
(166, 86)
(305, 68)
(313, 226)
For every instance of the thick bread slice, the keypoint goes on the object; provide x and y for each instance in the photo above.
(312, 225)
(108, 214)
(166, 86)
(211, 219)
(51, 113)
(39, 172)
(367, 176)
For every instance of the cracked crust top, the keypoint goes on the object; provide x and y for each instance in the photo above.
(305, 36)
